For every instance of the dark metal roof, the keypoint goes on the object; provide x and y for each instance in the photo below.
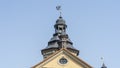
(54, 38)
(59, 38)
(60, 21)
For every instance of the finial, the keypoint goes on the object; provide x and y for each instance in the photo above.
(102, 59)
(103, 65)
(59, 9)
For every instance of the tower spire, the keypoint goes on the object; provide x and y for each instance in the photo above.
(60, 39)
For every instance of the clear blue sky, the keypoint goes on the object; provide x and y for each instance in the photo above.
(27, 25)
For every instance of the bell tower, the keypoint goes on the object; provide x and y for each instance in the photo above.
(60, 39)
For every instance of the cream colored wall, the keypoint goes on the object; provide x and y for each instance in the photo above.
(55, 63)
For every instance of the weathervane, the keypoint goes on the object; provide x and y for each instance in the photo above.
(59, 9)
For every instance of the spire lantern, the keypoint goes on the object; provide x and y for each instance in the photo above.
(60, 39)
(60, 26)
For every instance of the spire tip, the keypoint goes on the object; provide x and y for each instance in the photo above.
(103, 64)
(59, 9)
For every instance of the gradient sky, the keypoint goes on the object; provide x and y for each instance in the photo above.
(26, 26)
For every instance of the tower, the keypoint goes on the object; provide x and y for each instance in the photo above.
(59, 40)
(60, 52)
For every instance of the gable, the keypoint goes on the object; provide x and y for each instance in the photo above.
(63, 59)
